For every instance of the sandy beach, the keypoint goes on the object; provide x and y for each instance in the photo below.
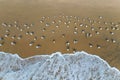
(45, 24)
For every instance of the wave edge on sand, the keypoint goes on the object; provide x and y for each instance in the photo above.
(57, 66)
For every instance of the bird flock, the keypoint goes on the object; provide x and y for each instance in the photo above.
(53, 28)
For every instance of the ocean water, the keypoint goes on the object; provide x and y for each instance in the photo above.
(58, 66)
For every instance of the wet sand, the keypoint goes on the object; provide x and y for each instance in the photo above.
(23, 31)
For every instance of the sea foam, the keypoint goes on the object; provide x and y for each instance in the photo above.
(57, 66)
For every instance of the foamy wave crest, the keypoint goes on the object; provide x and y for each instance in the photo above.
(77, 66)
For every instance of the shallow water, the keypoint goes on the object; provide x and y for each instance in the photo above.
(42, 27)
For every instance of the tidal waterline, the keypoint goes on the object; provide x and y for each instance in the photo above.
(43, 27)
